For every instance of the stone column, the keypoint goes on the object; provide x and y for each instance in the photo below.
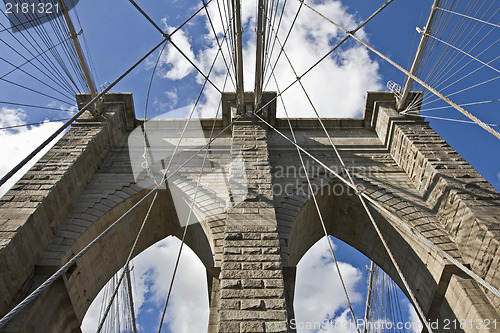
(251, 279)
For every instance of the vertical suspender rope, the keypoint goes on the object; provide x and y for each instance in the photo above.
(368, 296)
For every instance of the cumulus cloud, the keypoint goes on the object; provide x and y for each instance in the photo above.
(416, 324)
(153, 269)
(25, 139)
(319, 295)
(172, 64)
(337, 86)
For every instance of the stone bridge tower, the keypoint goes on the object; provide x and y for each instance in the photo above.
(424, 191)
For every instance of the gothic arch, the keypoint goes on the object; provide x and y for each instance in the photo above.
(94, 270)
(87, 277)
(346, 219)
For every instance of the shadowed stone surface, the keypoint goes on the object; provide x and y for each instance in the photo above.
(85, 182)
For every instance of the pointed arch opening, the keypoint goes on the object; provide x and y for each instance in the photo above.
(93, 271)
(150, 275)
(346, 219)
(320, 303)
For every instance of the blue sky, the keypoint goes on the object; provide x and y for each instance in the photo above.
(117, 35)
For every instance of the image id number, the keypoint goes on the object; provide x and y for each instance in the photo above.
(25, 8)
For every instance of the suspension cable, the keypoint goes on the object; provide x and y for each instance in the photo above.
(197, 184)
(469, 17)
(219, 44)
(437, 93)
(322, 58)
(311, 191)
(37, 106)
(378, 205)
(75, 258)
(127, 262)
(78, 114)
(148, 18)
(156, 188)
(464, 52)
(33, 124)
(408, 112)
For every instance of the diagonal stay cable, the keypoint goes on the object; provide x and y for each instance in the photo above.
(207, 79)
(22, 24)
(464, 52)
(464, 89)
(462, 77)
(377, 204)
(33, 58)
(449, 64)
(423, 318)
(147, 17)
(33, 124)
(268, 60)
(191, 17)
(311, 191)
(382, 238)
(443, 76)
(55, 74)
(322, 58)
(227, 23)
(31, 76)
(179, 253)
(78, 114)
(413, 77)
(37, 106)
(34, 91)
(196, 67)
(325, 56)
(75, 258)
(112, 226)
(451, 119)
(353, 183)
(219, 51)
(103, 317)
(449, 106)
(96, 240)
(469, 17)
(164, 34)
(127, 262)
(357, 192)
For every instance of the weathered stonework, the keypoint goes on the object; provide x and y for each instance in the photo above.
(85, 182)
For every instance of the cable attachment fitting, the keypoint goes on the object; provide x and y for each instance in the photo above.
(360, 189)
(97, 107)
(166, 36)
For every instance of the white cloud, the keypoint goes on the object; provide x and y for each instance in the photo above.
(498, 176)
(337, 86)
(319, 294)
(416, 324)
(177, 67)
(153, 269)
(26, 140)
